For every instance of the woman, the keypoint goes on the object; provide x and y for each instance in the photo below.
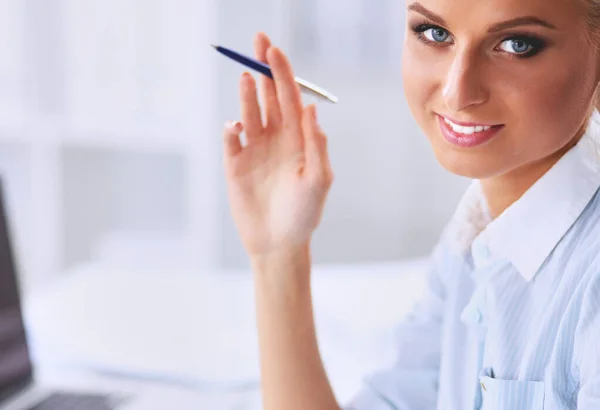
(504, 91)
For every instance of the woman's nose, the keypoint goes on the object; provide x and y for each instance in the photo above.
(463, 86)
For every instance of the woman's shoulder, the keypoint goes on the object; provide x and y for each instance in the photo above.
(584, 236)
(577, 255)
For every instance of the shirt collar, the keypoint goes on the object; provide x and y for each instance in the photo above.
(527, 232)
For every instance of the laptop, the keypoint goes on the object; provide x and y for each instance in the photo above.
(20, 389)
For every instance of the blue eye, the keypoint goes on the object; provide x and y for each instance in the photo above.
(516, 46)
(429, 33)
(522, 46)
(436, 34)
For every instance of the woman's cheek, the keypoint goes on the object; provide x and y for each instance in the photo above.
(421, 86)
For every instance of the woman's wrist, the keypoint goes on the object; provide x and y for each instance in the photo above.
(283, 261)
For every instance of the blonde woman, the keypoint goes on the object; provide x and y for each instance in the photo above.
(505, 91)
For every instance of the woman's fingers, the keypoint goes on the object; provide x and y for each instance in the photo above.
(250, 108)
(317, 156)
(268, 93)
(288, 92)
(231, 139)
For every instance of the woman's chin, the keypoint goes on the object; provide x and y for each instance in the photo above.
(466, 164)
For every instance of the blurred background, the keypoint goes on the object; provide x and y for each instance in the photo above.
(110, 142)
(110, 127)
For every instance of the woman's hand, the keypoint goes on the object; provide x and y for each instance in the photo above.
(277, 184)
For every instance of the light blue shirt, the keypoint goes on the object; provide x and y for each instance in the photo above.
(510, 318)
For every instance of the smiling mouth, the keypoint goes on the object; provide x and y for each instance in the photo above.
(467, 135)
(467, 128)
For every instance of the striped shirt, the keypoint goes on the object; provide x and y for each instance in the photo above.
(510, 318)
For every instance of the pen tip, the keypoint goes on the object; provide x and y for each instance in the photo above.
(214, 46)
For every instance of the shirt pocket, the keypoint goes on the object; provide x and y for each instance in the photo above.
(498, 394)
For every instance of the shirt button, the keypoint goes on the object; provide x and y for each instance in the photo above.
(482, 257)
(472, 315)
(483, 253)
(477, 316)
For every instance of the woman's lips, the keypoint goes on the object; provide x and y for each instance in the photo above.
(467, 140)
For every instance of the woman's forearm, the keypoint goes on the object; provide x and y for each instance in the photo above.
(292, 372)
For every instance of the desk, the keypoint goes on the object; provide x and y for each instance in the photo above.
(151, 395)
(200, 330)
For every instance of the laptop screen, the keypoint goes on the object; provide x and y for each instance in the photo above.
(15, 363)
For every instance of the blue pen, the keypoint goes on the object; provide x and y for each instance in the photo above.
(266, 70)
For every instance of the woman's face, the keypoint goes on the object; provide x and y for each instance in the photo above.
(522, 67)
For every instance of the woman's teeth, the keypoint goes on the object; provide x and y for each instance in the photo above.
(460, 129)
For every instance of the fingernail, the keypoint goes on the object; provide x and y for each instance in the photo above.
(232, 125)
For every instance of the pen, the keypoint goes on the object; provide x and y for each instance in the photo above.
(266, 70)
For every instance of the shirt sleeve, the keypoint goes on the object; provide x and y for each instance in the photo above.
(411, 382)
(587, 348)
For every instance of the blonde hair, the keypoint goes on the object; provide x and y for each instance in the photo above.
(593, 37)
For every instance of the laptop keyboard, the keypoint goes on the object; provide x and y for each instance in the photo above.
(76, 401)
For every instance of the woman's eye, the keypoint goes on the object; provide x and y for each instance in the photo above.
(516, 46)
(436, 34)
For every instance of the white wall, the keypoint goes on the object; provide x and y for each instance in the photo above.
(123, 142)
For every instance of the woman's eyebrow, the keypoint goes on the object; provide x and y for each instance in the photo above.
(419, 8)
(519, 21)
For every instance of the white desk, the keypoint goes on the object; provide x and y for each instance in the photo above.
(149, 395)
(199, 330)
